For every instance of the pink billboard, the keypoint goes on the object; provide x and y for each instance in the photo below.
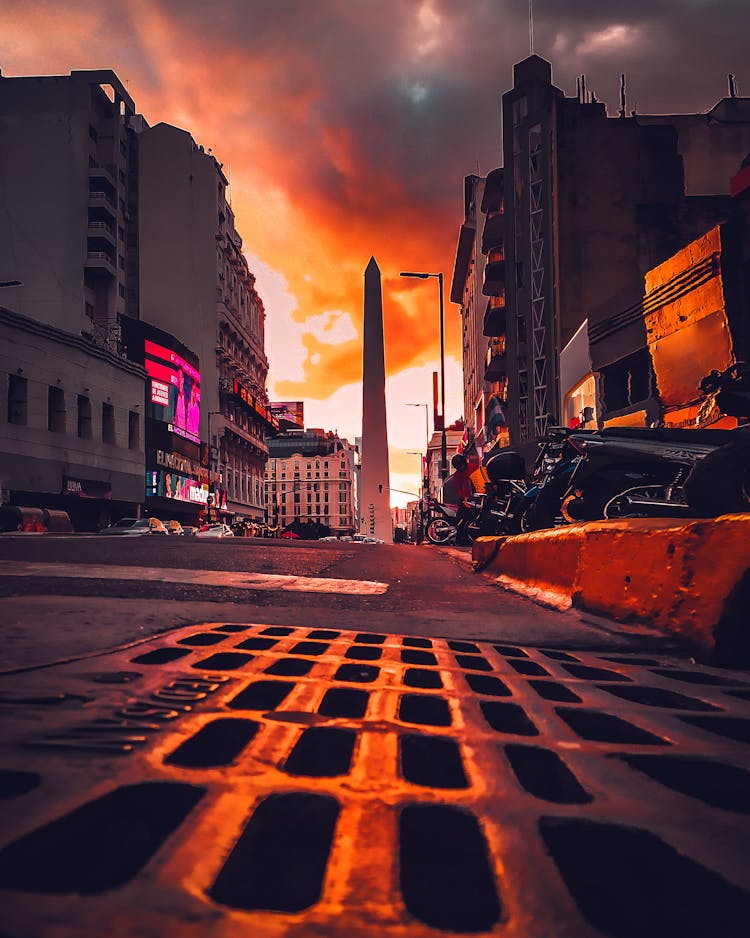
(174, 391)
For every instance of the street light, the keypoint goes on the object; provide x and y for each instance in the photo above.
(443, 441)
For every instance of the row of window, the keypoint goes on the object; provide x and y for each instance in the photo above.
(57, 414)
(316, 486)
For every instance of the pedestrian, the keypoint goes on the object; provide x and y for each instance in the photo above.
(456, 489)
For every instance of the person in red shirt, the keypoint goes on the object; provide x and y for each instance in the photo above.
(457, 487)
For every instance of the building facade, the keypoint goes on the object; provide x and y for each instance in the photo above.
(310, 481)
(591, 203)
(71, 424)
(195, 281)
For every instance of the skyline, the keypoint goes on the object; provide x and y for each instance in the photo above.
(347, 131)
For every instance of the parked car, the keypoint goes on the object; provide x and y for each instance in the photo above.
(189, 530)
(174, 527)
(146, 526)
(290, 536)
(216, 530)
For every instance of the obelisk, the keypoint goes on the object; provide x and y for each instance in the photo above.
(374, 503)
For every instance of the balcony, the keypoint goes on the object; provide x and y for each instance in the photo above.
(100, 263)
(494, 232)
(494, 276)
(98, 199)
(96, 229)
(495, 317)
(106, 173)
(497, 362)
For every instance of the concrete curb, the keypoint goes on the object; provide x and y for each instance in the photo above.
(687, 579)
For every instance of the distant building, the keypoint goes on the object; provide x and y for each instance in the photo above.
(310, 480)
(591, 203)
(195, 282)
(454, 435)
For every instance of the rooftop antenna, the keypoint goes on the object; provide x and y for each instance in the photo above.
(732, 86)
(531, 27)
(622, 95)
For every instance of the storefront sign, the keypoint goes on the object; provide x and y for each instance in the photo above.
(242, 393)
(86, 488)
(173, 485)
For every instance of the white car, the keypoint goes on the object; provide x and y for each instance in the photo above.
(216, 530)
(366, 539)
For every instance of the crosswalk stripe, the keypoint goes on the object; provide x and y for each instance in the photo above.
(222, 578)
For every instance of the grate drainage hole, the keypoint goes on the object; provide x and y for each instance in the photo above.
(361, 673)
(628, 882)
(343, 702)
(278, 630)
(161, 656)
(323, 633)
(489, 686)
(15, 783)
(417, 657)
(697, 677)
(657, 697)
(530, 668)
(102, 844)
(290, 667)
(737, 728)
(559, 655)
(607, 728)
(364, 653)
(718, 784)
(309, 648)
(224, 661)
(422, 677)
(473, 663)
(508, 718)
(230, 627)
(425, 709)
(261, 695)
(551, 690)
(369, 638)
(587, 673)
(279, 861)
(544, 775)
(432, 761)
(203, 638)
(446, 875)
(217, 743)
(257, 644)
(322, 752)
(510, 651)
(417, 642)
(468, 648)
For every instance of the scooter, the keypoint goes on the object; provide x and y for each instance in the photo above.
(627, 472)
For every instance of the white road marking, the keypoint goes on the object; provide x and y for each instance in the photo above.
(224, 578)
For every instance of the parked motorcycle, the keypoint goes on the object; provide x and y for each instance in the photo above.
(630, 472)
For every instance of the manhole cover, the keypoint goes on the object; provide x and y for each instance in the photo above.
(291, 781)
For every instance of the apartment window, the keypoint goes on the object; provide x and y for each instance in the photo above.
(133, 430)
(121, 175)
(121, 290)
(108, 424)
(121, 234)
(90, 310)
(92, 133)
(56, 410)
(84, 417)
(18, 399)
(123, 149)
(121, 261)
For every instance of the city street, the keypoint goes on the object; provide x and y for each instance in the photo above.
(351, 739)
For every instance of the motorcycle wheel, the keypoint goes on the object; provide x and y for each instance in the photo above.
(619, 506)
(440, 531)
(720, 483)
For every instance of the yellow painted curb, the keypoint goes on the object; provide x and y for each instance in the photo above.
(675, 575)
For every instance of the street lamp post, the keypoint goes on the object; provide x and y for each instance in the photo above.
(443, 441)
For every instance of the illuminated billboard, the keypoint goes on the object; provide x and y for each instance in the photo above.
(290, 414)
(174, 393)
(159, 482)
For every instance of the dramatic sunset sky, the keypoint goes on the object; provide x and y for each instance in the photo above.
(348, 126)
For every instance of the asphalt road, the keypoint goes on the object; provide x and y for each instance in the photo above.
(66, 596)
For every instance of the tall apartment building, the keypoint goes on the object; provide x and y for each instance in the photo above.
(195, 283)
(72, 406)
(478, 286)
(591, 203)
(310, 479)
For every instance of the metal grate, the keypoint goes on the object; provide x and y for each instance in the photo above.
(297, 781)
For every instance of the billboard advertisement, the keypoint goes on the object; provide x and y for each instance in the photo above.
(290, 414)
(174, 392)
(159, 482)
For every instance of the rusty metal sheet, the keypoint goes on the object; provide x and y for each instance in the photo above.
(230, 778)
